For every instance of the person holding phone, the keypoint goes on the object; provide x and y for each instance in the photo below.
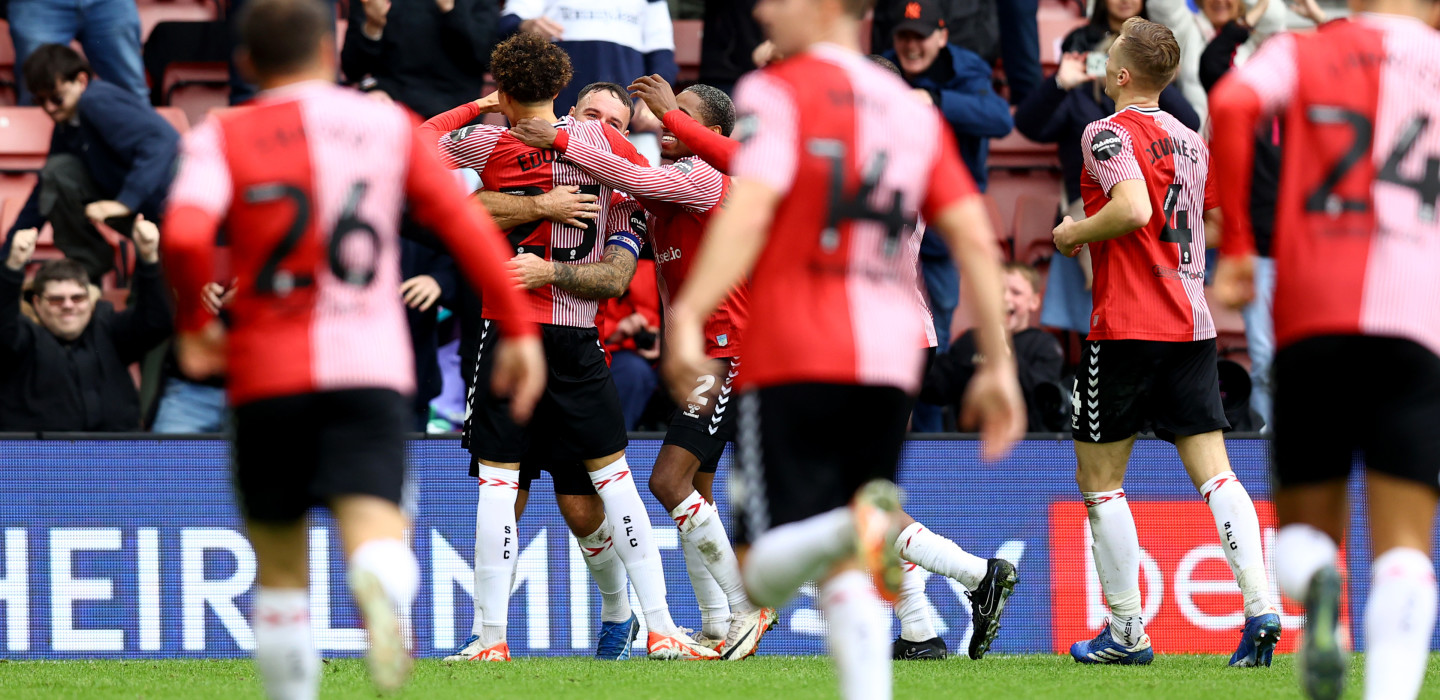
(1058, 112)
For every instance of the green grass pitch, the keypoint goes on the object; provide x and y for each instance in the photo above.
(782, 677)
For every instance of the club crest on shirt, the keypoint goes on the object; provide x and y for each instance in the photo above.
(722, 340)
(459, 135)
(1105, 145)
(684, 166)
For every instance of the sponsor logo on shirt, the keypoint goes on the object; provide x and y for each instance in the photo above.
(1171, 274)
(670, 254)
(1105, 145)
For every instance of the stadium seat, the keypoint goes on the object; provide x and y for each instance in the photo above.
(24, 138)
(992, 209)
(1033, 223)
(176, 117)
(1055, 21)
(1016, 151)
(153, 14)
(196, 90)
(688, 33)
(7, 65)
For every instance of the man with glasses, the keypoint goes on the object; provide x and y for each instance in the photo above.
(111, 157)
(68, 369)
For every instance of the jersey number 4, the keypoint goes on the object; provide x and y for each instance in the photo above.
(272, 279)
(1179, 231)
(1427, 187)
(857, 207)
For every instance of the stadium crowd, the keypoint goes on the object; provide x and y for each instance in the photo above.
(111, 155)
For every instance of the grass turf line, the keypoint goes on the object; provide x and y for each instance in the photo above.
(788, 677)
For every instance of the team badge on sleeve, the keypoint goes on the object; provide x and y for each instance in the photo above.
(1105, 145)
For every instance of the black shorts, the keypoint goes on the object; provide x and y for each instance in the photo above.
(804, 449)
(1125, 386)
(294, 452)
(1339, 394)
(705, 435)
(568, 478)
(578, 417)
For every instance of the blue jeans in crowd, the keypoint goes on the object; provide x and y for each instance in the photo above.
(187, 408)
(108, 30)
(636, 381)
(1260, 336)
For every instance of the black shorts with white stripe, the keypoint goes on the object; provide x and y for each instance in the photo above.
(1125, 386)
(706, 421)
(805, 449)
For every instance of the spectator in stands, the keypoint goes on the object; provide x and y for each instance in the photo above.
(428, 55)
(431, 281)
(1193, 30)
(111, 157)
(186, 406)
(992, 29)
(108, 30)
(1038, 356)
(1220, 54)
(729, 39)
(608, 40)
(69, 370)
(630, 325)
(1058, 112)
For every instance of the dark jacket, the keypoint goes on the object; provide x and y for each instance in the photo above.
(1052, 115)
(730, 37)
(417, 259)
(85, 384)
(1038, 358)
(1003, 30)
(425, 60)
(128, 149)
(959, 82)
(1215, 62)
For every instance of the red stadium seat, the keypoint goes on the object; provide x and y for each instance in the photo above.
(151, 15)
(1033, 223)
(24, 138)
(1055, 21)
(1016, 151)
(176, 117)
(997, 222)
(7, 65)
(688, 33)
(196, 87)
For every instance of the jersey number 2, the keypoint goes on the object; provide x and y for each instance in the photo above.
(1427, 186)
(273, 280)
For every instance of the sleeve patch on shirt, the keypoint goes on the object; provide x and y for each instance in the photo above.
(1105, 145)
(459, 135)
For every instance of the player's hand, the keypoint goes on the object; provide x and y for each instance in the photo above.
(420, 292)
(215, 296)
(993, 404)
(1064, 236)
(1072, 71)
(656, 93)
(105, 209)
(531, 271)
(685, 358)
(765, 54)
(533, 132)
(544, 26)
(147, 239)
(490, 103)
(1235, 281)
(201, 354)
(1309, 9)
(567, 205)
(22, 247)
(377, 13)
(519, 373)
(653, 353)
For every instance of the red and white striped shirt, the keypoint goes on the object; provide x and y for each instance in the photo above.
(508, 166)
(1150, 283)
(1357, 240)
(309, 182)
(857, 160)
(680, 199)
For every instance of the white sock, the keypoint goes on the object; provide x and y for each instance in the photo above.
(912, 608)
(1300, 551)
(496, 550)
(702, 530)
(789, 555)
(393, 563)
(714, 605)
(940, 555)
(634, 542)
(284, 651)
(1399, 618)
(856, 626)
(1239, 530)
(1117, 561)
(608, 571)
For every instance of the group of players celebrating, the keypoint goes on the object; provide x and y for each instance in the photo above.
(807, 261)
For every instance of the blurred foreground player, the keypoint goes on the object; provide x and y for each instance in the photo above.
(318, 357)
(825, 191)
(1356, 247)
(1150, 357)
